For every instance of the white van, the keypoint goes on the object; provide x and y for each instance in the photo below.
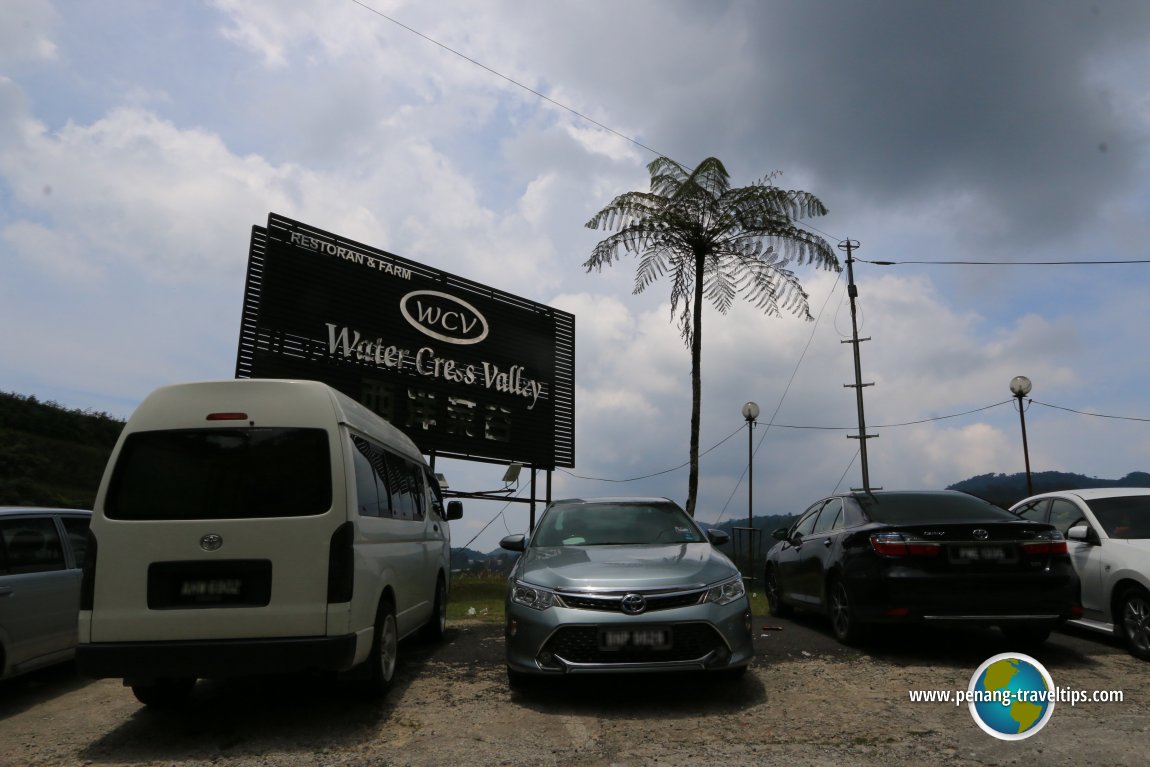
(260, 526)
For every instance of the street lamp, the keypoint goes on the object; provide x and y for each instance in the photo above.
(750, 412)
(1020, 386)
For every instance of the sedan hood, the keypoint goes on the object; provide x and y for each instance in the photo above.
(625, 568)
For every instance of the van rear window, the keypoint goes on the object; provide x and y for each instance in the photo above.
(221, 474)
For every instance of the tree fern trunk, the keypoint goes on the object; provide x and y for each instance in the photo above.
(696, 383)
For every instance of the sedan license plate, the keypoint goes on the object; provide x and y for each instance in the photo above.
(980, 554)
(658, 638)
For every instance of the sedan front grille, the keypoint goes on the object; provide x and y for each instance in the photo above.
(580, 644)
(613, 603)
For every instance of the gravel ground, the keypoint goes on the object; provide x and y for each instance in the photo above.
(807, 701)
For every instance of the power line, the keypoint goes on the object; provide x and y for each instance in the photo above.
(514, 82)
(1093, 415)
(894, 425)
(657, 473)
(1003, 263)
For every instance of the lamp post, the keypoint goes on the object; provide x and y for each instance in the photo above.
(750, 412)
(1020, 386)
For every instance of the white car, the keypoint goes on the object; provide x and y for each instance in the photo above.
(1108, 534)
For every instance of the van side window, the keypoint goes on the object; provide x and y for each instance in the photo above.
(32, 545)
(405, 481)
(368, 485)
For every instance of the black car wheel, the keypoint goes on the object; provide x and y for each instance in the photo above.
(170, 692)
(843, 621)
(774, 595)
(1134, 621)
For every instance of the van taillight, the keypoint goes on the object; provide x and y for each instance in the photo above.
(88, 574)
(341, 564)
(227, 417)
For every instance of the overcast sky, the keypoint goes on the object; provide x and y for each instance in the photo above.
(140, 141)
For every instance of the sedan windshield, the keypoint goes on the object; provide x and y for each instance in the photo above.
(1126, 517)
(602, 524)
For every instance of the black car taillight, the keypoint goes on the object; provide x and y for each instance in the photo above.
(88, 574)
(341, 564)
(899, 545)
(1046, 544)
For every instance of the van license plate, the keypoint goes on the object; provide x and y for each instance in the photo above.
(214, 588)
(631, 639)
(209, 584)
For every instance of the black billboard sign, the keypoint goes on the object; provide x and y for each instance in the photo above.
(465, 370)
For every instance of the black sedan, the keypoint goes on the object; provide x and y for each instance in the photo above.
(922, 556)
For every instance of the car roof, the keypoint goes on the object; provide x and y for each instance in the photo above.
(903, 493)
(1086, 493)
(613, 499)
(10, 511)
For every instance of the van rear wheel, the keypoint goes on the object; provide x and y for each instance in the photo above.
(168, 692)
(384, 651)
(437, 625)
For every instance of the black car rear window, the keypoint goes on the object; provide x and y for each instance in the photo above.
(911, 508)
(232, 473)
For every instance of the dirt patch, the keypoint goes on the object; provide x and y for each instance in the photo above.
(826, 705)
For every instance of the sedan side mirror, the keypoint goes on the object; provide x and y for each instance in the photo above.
(717, 537)
(780, 534)
(514, 542)
(1082, 533)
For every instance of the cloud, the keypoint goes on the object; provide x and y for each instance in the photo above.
(26, 34)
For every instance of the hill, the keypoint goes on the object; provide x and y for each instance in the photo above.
(1008, 489)
(50, 455)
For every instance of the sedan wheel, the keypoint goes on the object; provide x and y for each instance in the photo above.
(775, 596)
(1134, 623)
(843, 622)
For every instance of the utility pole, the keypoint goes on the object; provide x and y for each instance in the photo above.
(852, 290)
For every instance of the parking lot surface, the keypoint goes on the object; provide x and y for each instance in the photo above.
(807, 701)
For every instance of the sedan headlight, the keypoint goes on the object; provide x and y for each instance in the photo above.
(533, 596)
(727, 591)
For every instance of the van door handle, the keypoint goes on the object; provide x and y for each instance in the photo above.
(827, 542)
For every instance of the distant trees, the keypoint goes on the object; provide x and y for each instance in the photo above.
(1006, 490)
(714, 242)
(50, 455)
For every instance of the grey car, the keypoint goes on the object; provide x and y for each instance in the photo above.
(610, 585)
(41, 553)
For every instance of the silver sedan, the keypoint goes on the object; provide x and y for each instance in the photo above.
(623, 585)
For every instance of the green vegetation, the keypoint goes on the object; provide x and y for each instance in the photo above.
(483, 593)
(52, 456)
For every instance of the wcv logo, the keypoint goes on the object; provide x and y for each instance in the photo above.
(443, 317)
